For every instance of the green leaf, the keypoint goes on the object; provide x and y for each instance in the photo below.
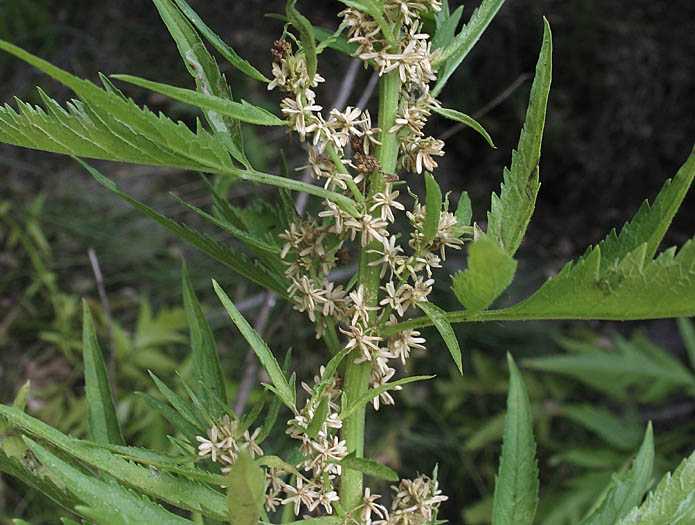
(180, 405)
(464, 213)
(615, 431)
(109, 497)
(619, 371)
(511, 212)
(203, 68)
(108, 126)
(650, 222)
(101, 413)
(243, 111)
(226, 255)
(179, 423)
(274, 408)
(227, 52)
(374, 392)
(20, 400)
(446, 29)
(672, 502)
(633, 288)
(328, 374)
(175, 490)
(339, 44)
(206, 362)
(457, 116)
(686, 329)
(516, 486)
(438, 318)
(452, 55)
(266, 357)
(368, 467)
(433, 208)
(628, 491)
(490, 271)
(306, 34)
(245, 484)
(312, 429)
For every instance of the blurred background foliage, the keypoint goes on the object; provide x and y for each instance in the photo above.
(618, 126)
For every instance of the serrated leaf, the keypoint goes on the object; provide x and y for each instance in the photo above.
(490, 271)
(106, 126)
(511, 212)
(464, 213)
(206, 362)
(109, 496)
(446, 28)
(328, 374)
(651, 221)
(266, 357)
(223, 253)
(433, 208)
(443, 326)
(618, 370)
(306, 34)
(101, 413)
(227, 52)
(179, 404)
(208, 78)
(180, 424)
(617, 432)
(452, 55)
(179, 491)
(245, 483)
(457, 116)
(516, 485)
(628, 491)
(369, 467)
(672, 502)
(243, 111)
(374, 392)
(630, 289)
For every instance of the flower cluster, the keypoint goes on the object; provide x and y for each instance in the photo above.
(342, 152)
(412, 58)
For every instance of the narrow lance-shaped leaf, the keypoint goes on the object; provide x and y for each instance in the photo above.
(457, 116)
(129, 507)
(516, 485)
(628, 491)
(203, 68)
(227, 52)
(243, 111)
(101, 413)
(368, 467)
(446, 27)
(226, 255)
(490, 271)
(511, 212)
(180, 491)
(280, 385)
(314, 426)
(672, 502)
(374, 392)
(438, 318)
(306, 33)
(245, 483)
(433, 208)
(110, 127)
(452, 55)
(206, 362)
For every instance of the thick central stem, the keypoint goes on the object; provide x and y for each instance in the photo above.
(357, 375)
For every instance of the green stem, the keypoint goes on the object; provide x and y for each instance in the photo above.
(357, 375)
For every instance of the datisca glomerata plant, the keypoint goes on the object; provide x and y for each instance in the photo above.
(367, 172)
